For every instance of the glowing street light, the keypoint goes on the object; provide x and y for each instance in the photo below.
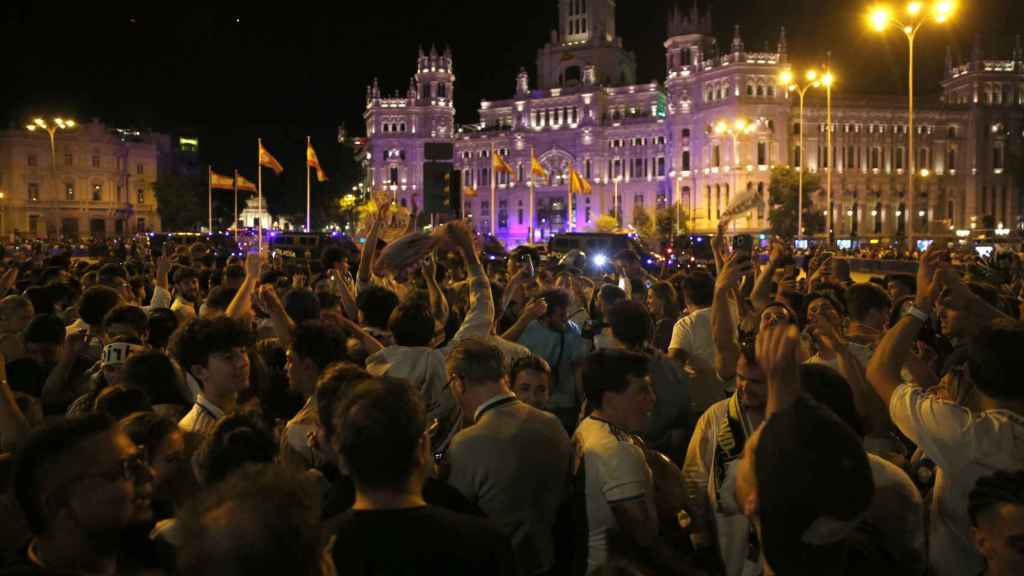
(787, 79)
(735, 129)
(879, 18)
(51, 129)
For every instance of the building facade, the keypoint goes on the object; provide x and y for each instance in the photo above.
(655, 145)
(94, 182)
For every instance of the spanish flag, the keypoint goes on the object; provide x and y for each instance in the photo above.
(578, 184)
(314, 162)
(469, 192)
(269, 161)
(218, 182)
(499, 165)
(244, 184)
(536, 168)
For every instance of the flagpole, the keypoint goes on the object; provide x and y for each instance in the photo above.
(307, 183)
(568, 195)
(236, 206)
(494, 193)
(259, 193)
(532, 195)
(209, 195)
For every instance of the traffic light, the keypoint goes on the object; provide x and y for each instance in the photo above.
(453, 192)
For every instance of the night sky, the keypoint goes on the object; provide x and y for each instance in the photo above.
(285, 73)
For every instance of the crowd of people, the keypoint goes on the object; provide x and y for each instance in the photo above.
(195, 413)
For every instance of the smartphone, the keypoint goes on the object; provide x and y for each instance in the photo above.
(743, 243)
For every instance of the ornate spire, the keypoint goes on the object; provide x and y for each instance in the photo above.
(737, 40)
(376, 89)
(680, 24)
(410, 94)
(1018, 50)
(783, 47)
(433, 51)
(949, 61)
(976, 52)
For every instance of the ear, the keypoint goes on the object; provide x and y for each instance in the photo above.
(200, 372)
(979, 539)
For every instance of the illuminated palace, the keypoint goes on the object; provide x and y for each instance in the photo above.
(654, 145)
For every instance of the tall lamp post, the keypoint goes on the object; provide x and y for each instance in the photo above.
(735, 129)
(787, 79)
(55, 125)
(880, 17)
(827, 80)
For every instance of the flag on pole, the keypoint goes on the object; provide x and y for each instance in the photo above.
(469, 192)
(498, 164)
(244, 184)
(578, 184)
(218, 182)
(314, 163)
(267, 160)
(536, 168)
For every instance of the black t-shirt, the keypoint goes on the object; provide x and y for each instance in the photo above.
(341, 495)
(425, 540)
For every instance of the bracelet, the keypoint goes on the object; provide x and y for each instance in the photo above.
(917, 313)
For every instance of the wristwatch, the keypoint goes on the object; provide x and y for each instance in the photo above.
(917, 313)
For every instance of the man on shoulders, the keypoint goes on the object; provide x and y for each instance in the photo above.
(546, 331)
(513, 460)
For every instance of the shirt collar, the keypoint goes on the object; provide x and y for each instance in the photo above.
(209, 407)
(503, 398)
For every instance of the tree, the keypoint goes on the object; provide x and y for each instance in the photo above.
(606, 223)
(784, 200)
(181, 202)
(644, 225)
(665, 222)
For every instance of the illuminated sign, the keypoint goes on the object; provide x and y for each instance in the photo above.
(188, 144)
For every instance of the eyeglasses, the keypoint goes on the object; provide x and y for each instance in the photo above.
(130, 469)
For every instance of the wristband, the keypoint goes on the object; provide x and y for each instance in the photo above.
(917, 313)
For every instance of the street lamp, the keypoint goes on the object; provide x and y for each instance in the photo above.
(735, 129)
(51, 128)
(827, 79)
(788, 80)
(880, 17)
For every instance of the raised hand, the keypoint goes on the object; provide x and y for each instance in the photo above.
(252, 265)
(932, 261)
(737, 266)
(536, 309)
(777, 355)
